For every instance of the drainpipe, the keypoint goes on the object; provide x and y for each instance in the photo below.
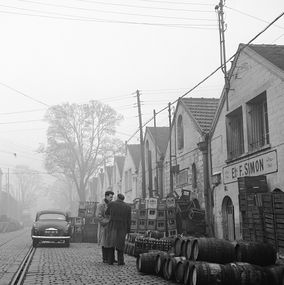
(203, 147)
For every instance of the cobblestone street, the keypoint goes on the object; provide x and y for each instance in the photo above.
(79, 264)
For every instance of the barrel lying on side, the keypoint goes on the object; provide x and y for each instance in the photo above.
(213, 250)
(256, 253)
(146, 262)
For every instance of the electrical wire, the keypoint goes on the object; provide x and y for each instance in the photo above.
(142, 7)
(212, 73)
(174, 3)
(86, 19)
(251, 16)
(21, 112)
(115, 12)
(22, 93)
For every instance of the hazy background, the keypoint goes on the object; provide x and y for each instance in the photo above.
(55, 51)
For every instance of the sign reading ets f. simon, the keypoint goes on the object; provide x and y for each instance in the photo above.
(253, 166)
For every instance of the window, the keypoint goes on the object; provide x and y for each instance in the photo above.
(235, 134)
(258, 131)
(180, 135)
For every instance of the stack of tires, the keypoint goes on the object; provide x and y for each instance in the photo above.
(203, 261)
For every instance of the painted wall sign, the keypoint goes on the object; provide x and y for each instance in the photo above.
(253, 166)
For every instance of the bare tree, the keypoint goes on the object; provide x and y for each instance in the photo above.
(79, 138)
(28, 185)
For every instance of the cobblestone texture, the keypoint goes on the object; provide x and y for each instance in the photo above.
(13, 248)
(81, 264)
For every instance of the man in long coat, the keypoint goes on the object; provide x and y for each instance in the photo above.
(118, 227)
(103, 221)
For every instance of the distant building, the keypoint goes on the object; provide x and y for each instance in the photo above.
(118, 164)
(130, 172)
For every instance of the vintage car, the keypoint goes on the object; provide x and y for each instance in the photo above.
(52, 226)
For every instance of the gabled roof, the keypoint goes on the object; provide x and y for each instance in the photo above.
(119, 160)
(109, 172)
(273, 53)
(134, 150)
(162, 138)
(202, 110)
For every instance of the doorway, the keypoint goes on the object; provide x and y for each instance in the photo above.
(228, 219)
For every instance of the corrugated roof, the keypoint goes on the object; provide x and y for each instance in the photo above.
(163, 134)
(134, 150)
(273, 53)
(203, 110)
(120, 162)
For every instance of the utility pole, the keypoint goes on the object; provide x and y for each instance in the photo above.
(219, 10)
(170, 141)
(156, 154)
(142, 151)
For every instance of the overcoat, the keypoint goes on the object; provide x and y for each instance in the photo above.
(103, 220)
(119, 224)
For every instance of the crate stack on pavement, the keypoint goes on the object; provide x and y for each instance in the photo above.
(202, 261)
(153, 214)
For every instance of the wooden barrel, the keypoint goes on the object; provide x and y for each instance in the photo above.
(276, 274)
(188, 248)
(177, 245)
(145, 262)
(184, 243)
(213, 250)
(248, 274)
(180, 270)
(188, 267)
(172, 262)
(160, 260)
(256, 253)
(204, 273)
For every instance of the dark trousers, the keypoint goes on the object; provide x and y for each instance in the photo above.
(104, 254)
(120, 257)
(110, 255)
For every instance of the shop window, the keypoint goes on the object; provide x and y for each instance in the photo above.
(235, 134)
(258, 131)
(180, 133)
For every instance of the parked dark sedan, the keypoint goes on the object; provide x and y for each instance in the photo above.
(51, 225)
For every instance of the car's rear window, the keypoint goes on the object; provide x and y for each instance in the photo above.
(51, 216)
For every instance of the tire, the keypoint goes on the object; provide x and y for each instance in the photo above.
(67, 243)
(35, 243)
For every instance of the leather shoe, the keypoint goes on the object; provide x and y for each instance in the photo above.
(121, 263)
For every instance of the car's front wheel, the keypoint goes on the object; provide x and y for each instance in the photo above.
(67, 243)
(35, 243)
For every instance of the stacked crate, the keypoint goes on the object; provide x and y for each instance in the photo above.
(273, 216)
(250, 203)
(151, 208)
(161, 216)
(171, 216)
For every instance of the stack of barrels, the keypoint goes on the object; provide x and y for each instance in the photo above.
(203, 261)
(136, 243)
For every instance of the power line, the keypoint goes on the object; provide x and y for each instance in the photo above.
(251, 16)
(212, 73)
(142, 7)
(115, 12)
(174, 3)
(87, 19)
(19, 122)
(25, 95)
(21, 112)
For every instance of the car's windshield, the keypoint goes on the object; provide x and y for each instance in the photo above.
(51, 216)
